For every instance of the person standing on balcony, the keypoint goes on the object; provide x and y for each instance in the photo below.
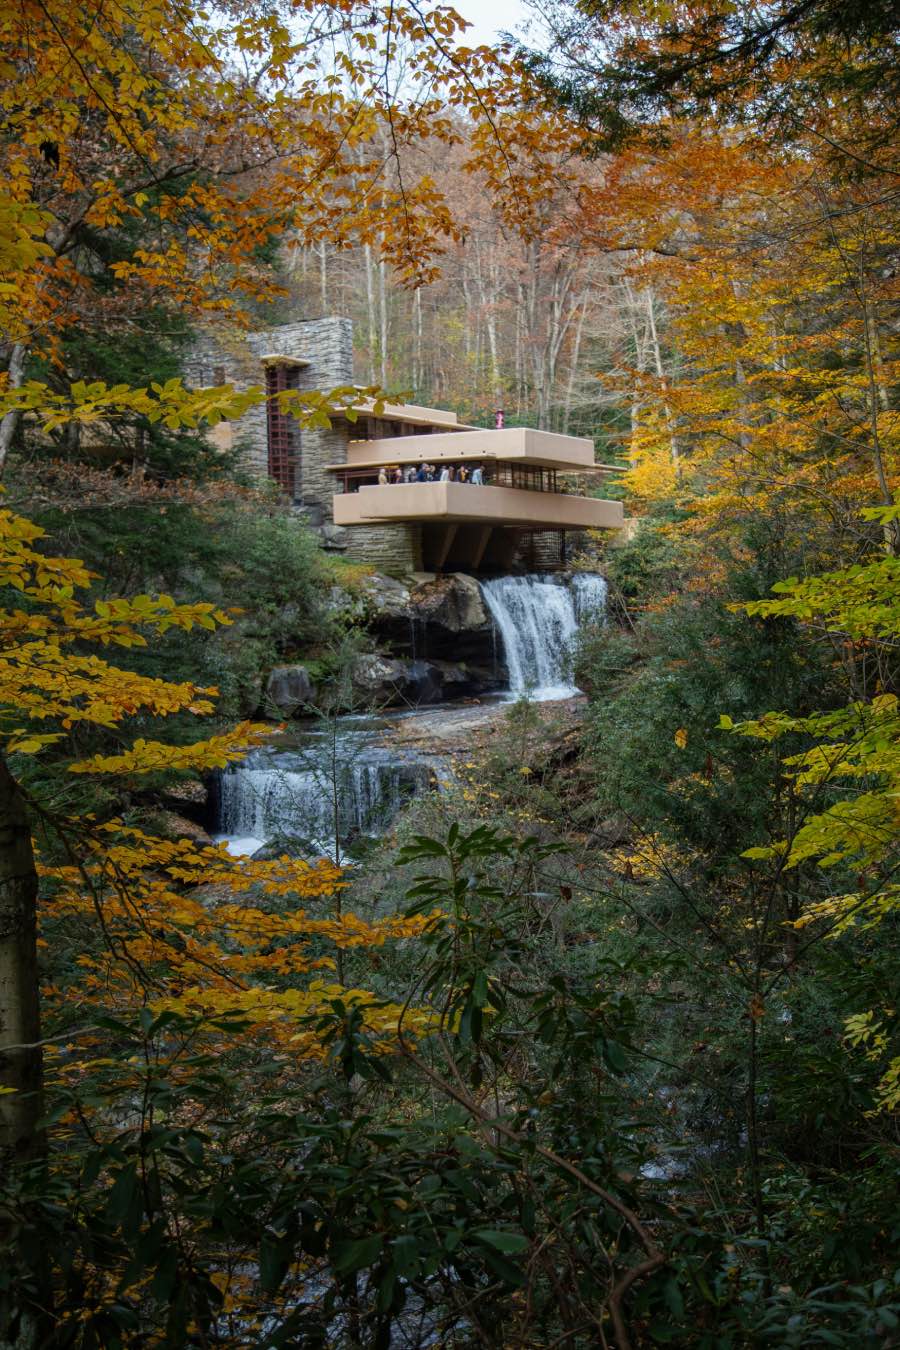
(478, 475)
(397, 475)
(409, 473)
(421, 475)
(445, 474)
(382, 477)
(463, 474)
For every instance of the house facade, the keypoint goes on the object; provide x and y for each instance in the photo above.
(411, 489)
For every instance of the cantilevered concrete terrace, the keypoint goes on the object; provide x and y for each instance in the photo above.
(520, 488)
(421, 503)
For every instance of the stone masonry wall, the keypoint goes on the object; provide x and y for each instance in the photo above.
(328, 345)
(389, 548)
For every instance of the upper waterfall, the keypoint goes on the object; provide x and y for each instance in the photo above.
(589, 590)
(537, 618)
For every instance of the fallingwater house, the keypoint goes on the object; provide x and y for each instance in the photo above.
(352, 480)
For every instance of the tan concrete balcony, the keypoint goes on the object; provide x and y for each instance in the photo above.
(466, 503)
(519, 445)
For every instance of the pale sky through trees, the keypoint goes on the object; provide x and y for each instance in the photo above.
(490, 17)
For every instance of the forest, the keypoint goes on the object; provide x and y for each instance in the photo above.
(394, 959)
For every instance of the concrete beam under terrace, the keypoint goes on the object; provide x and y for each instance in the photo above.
(518, 445)
(444, 503)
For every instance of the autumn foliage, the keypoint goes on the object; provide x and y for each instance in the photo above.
(602, 1047)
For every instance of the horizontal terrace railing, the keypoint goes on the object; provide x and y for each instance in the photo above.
(528, 477)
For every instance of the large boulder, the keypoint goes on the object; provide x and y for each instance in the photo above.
(463, 678)
(435, 619)
(452, 602)
(383, 680)
(334, 538)
(289, 690)
(378, 677)
(386, 599)
(175, 826)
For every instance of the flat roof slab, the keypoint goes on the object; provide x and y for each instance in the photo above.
(524, 445)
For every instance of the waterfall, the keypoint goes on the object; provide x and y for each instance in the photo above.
(590, 597)
(291, 797)
(537, 618)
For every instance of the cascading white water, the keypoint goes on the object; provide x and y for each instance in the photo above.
(538, 618)
(305, 798)
(590, 597)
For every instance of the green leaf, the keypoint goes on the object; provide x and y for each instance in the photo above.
(663, 1333)
(122, 1195)
(358, 1253)
(274, 1259)
(507, 1272)
(674, 1301)
(615, 1056)
(405, 1255)
(502, 1240)
(165, 1276)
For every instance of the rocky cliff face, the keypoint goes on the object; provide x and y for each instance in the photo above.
(434, 640)
(440, 619)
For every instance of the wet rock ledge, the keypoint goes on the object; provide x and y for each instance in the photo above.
(434, 641)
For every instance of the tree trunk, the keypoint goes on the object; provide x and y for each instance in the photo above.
(418, 376)
(639, 339)
(573, 363)
(16, 371)
(323, 277)
(663, 383)
(370, 309)
(383, 322)
(21, 1067)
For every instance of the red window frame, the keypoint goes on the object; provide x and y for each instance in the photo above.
(282, 430)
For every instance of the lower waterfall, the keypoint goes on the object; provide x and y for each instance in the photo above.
(316, 798)
(538, 618)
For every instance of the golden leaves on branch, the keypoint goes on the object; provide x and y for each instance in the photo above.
(155, 756)
(198, 937)
(220, 134)
(186, 926)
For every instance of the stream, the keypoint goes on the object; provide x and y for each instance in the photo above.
(325, 787)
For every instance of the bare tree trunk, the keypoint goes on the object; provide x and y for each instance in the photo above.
(16, 371)
(663, 382)
(467, 330)
(418, 380)
(520, 357)
(370, 309)
(383, 320)
(639, 365)
(877, 400)
(573, 363)
(21, 1066)
(323, 276)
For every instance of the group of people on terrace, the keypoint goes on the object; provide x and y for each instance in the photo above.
(432, 473)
